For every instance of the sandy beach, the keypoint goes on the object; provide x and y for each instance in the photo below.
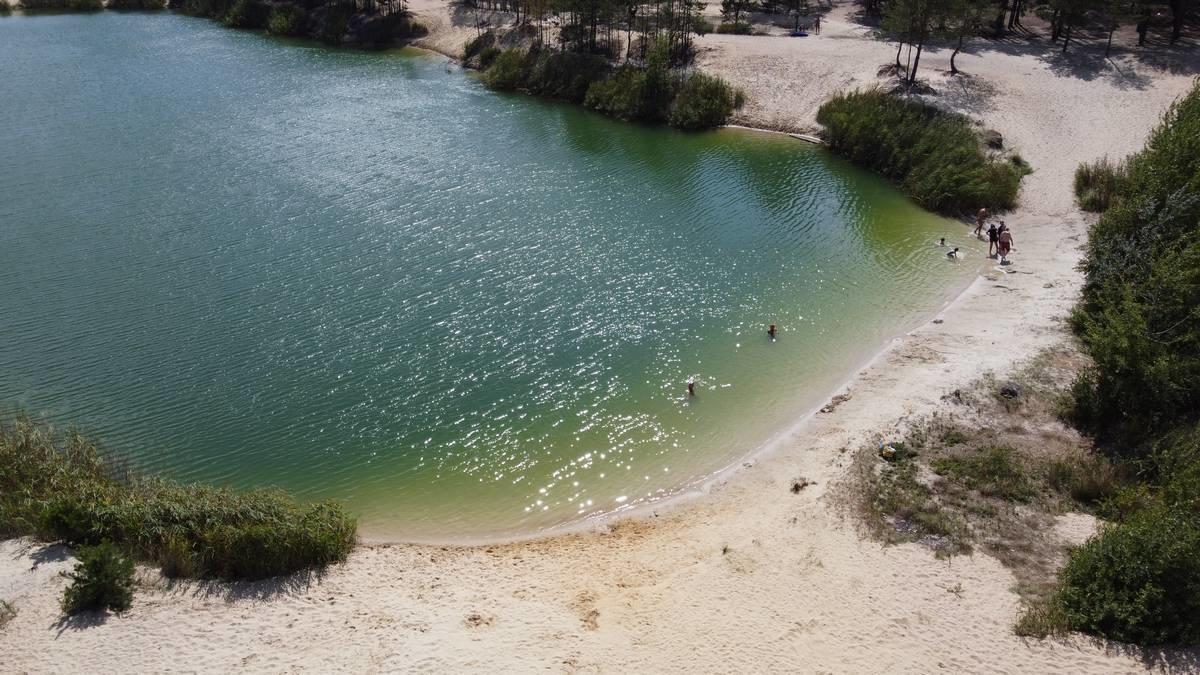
(747, 576)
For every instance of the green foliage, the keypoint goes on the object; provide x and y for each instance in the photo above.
(103, 579)
(1138, 581)
(704, 102)
(739, 28)
(1138, 318)
(1098, 183)
(909, 505)
(565, 75)
(334, 23)
(248, 14)
(994, 472)
(59, 488)
(508, 71)
(7, 613)
(137, 4)
(476, 45)
(287, 20)
(488, 56)
(85, 5)
(935, 156)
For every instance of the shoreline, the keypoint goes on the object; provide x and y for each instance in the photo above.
(751, 575)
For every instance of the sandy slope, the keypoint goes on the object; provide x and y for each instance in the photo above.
(748, 577)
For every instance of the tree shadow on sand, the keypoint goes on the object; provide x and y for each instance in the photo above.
(79, 622)
(40, 554)
(237, 591)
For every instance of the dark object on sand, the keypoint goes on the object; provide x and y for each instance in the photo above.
(1010, 390)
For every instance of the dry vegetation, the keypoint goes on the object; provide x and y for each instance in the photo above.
(991, 472)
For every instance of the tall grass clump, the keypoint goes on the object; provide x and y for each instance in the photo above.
(1098, 183)
(937, 157)
(59, 488)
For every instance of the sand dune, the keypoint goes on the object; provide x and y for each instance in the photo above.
(747, 577)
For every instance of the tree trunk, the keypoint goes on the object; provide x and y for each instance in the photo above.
(912, 75)
(957, 49)
(1067, 38)
(1108, 47)
(1012, 15)
(898, 48)
(1055, 26)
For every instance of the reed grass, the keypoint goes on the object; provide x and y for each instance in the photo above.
(937, 157)
(59, 487)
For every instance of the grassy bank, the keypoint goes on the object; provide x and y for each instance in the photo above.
(938, 158)
(57, 487)
(654, 93)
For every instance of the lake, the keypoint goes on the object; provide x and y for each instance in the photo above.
(363, 276)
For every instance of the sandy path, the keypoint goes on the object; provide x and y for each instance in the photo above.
(749, 577)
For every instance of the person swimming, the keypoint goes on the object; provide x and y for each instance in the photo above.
(691, 387)
(942, 242)
(953, 255)
(771, 331)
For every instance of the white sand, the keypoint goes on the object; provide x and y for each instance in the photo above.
(749, 577)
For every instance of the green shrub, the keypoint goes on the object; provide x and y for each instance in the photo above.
(334, 24)
(7, 611)
(1098, 184)
(488, 56)
(287, 20)
(935, 156)
(739, 28)
(565, 75)
(1137, 581)
(508, 71)
(704, 102)
(1136, 318)
(103, 579)
(59, 488)
(702, 27)
(248, 14)
(137, 4)
(994, 472)
(85, 5)
(5, 9)
(475, 46)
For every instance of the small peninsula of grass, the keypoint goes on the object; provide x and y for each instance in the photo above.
(57, 487)
(937, 157)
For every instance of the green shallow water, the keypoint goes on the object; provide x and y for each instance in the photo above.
(363, 276)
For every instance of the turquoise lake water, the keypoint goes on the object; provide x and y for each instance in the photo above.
(356, 275)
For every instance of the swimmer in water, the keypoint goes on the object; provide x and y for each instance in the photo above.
(942, 242)
(952, 254)
(771, 331)
(691, 387)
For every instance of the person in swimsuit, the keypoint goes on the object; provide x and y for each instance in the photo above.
(771, 331)
(1005, 244)
(691, 387)
(953, 255)
(942, 242)
(980, 219)
(993, 240)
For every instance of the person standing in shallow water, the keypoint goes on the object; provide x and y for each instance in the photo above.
(771, 331)
(691, 387)
(980, 219)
